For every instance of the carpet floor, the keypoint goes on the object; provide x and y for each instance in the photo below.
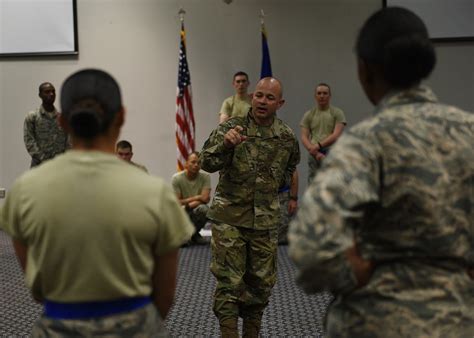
(291, 313)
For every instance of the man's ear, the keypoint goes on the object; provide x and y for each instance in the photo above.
(281, 103)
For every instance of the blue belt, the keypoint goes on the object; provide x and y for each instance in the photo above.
(85, 310)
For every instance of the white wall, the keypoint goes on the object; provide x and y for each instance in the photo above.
(453, 77)
(137, 41)
(2, 142)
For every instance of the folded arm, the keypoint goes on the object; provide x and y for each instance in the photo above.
(194, 201)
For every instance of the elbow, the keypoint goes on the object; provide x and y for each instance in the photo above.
(209, 167)
(311, 274)
(316, 278)
(205, 165)
(326, 275)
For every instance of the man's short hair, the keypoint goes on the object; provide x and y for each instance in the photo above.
(241, 73)
(123, 144)
(194, 153)
(44, 84)
(325, 85)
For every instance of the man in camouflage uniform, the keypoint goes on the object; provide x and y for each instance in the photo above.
(255, 155)
(43, 136)
(387, 224)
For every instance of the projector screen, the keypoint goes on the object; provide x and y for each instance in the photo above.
(446, 19)
(38, 27)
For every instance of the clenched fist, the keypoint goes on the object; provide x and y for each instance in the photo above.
(234, 137)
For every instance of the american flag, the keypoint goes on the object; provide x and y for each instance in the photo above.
(185, 126)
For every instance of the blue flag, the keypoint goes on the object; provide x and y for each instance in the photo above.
(266, 70)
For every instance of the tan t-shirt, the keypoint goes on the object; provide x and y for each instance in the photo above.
(185, 187)
(234, 106)
(321, 123)
(93, 225)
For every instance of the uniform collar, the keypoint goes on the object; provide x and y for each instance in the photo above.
(253, 129)
(406, 96)
(43, 111)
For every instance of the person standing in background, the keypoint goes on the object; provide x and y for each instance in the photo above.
(43, 137)
(320, 128)
(238, 104)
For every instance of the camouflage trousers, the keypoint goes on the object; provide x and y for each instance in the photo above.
(244, 262)
(285, 218)
(144, 322)
(198, 216)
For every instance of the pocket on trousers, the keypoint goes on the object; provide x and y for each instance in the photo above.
(218, 260)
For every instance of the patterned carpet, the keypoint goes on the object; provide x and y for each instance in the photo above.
(291, 313)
